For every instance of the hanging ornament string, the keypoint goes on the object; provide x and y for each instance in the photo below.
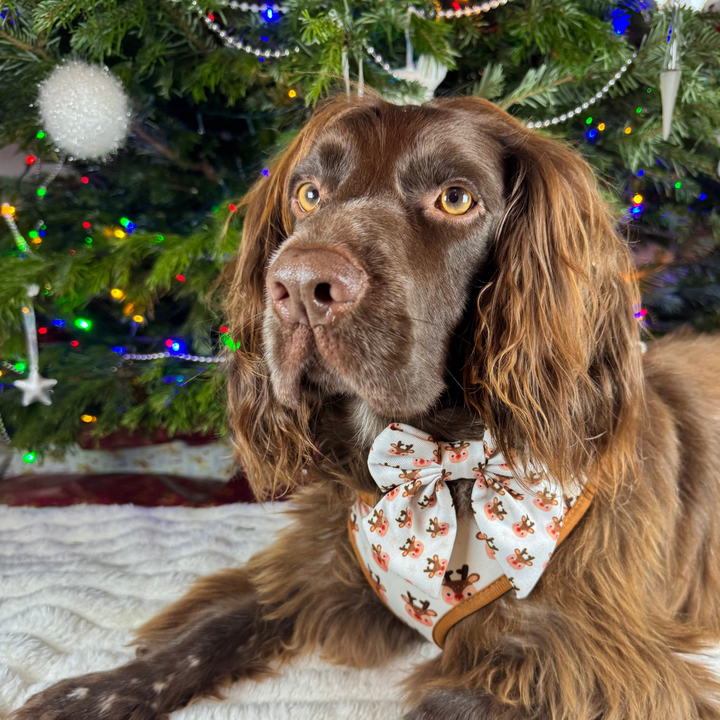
(226, 38)
(4, 437)
(182, 356)
(8, 213)
(584, 106)
(35, 388)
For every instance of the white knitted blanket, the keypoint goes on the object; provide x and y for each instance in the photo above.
(75, 581)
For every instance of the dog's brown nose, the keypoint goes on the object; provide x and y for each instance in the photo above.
(314, 286)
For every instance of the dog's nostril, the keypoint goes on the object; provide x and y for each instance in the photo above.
(322, 293)
(278, 291)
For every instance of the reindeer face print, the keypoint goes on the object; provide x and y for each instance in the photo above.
(409, 476)
(376, 585)
(380, 557)
(524, 528)
(428, 501)
(436, 528)
(435, 566)
(553, 528)
(455, 591)
(422, 462)
(393, 493)
(490, 547)
(419, 612)
(457, 452)
(520, 559)
(412, 547)
(405, 519)
(399, 448)
(379, 523)
(410, 490)
(494, 510)
(546, 500)
(479, 475)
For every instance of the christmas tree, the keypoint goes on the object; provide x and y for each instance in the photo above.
(128, 241)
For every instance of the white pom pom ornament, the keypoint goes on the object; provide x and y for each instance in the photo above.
(84, 109)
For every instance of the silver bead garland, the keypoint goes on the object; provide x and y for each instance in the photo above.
(182, 356)
(584, 106)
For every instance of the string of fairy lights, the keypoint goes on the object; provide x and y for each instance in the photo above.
(272, 10)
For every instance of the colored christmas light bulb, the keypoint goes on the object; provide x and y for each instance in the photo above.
(20, 367)
(88, 418)
(292, 93)
(84, 180)
(117, 293)
(638, 199)
(40, 135)
(29, 457)
(138, 318)
(678, 184)
(41, 192)
(181, 278)
(42, 330)
(169, 342)
(628, 130)
(30, 159)
(87, 225)
(74, 343)
(588, 121)
(83, 324)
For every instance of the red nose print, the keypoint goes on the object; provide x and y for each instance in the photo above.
(312, 287)
(458, 596)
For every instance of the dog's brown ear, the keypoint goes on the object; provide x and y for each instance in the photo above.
(272, 442)
(555, 367)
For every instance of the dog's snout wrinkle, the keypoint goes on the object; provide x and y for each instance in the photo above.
(314, 286)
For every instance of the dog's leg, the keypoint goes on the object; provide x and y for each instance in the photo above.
(518, 660)
(305, 590)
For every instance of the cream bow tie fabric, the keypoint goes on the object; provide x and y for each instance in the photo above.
(416, 517)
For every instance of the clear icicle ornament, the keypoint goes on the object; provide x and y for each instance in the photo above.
(670, 76)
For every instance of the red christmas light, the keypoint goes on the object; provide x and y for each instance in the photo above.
(42, 330)
(86, 225)
(30, 159)
(232, 207)
(211, 17)
(456, 5)
(85, 180)
(168, 342)
(223, 328)
(74, 343)
(181, 278)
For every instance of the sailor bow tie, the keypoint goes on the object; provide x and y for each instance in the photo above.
(416, 517)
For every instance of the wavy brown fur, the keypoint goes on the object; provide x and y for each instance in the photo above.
(553, 366)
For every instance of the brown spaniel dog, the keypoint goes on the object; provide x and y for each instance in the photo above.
(446, 267)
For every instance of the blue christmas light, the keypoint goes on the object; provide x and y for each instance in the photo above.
(641, 173)
(270, 15)
(703, 196)
(119, 350)
(59, 323)
(620, 19)
(176, 346)
(266, 172)
(590, 134)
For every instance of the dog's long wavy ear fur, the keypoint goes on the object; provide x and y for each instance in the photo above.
(555, 368)
(272, 442)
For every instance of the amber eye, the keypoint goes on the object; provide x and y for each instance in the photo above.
(308, 196)
(456, 200)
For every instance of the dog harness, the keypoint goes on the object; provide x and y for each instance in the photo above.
(429, 568)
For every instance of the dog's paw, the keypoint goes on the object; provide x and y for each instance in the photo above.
(457, 704)
(114, 695)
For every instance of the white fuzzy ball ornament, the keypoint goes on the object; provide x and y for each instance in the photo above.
(84, 109)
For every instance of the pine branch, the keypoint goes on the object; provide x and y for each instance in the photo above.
(24, 46)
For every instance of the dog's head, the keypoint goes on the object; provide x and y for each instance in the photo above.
(395, 254)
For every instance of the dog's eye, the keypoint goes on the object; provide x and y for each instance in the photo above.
(308, 196)
(455, 200)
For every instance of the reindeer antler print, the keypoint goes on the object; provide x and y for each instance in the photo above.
(399, 448)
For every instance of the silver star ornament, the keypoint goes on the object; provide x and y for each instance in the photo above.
(35, 389)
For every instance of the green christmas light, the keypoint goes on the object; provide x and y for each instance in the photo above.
(639, 110)
(160, 238)
(678, 184)
(40, 135)
(88, 240)
(41, 192)
(124, 221)
(33, 233)
(20, 367)
(83, 324)
(588, 121)
(226, 339)
(30, 457)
